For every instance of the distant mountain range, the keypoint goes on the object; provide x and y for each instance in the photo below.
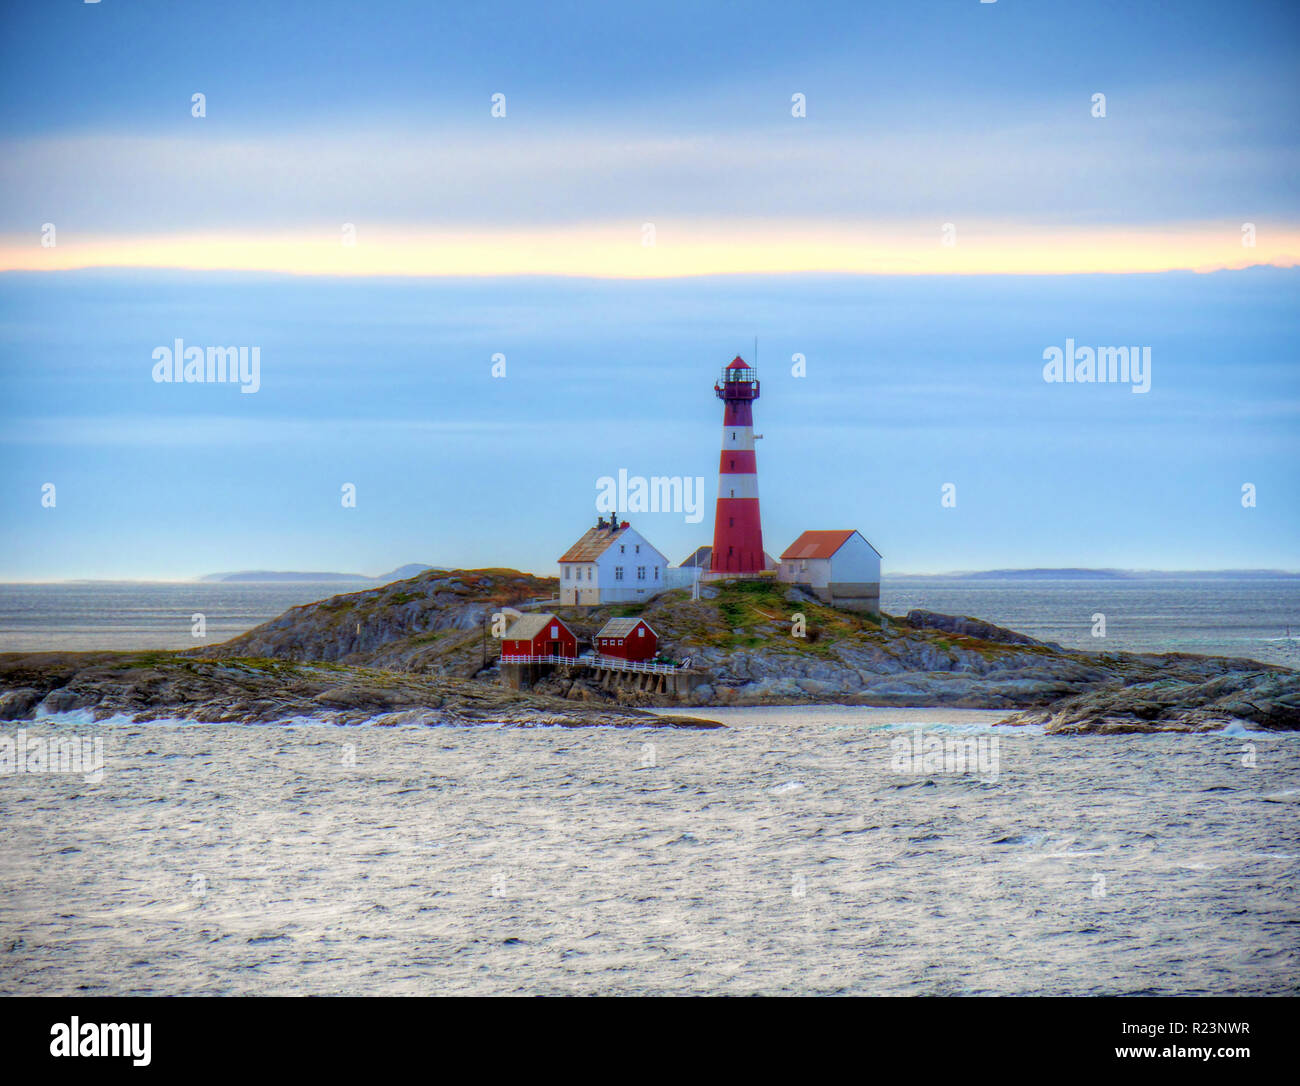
(1107, 574)
(247, 576)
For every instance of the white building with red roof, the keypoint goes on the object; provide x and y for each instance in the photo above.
(839, 567)
(611, 563)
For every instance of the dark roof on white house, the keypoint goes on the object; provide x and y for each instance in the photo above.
(701, 557)
(594, 543)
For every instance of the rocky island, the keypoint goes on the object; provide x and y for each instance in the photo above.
(421, 650)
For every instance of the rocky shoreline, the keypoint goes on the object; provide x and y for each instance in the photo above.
(163, 686)
(420, 651)
(1259, 700)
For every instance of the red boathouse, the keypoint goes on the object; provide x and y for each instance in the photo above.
(627, 639)
(539, 635)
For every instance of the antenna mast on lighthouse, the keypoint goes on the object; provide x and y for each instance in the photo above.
(737, 531)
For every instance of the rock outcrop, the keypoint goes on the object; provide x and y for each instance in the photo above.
(438, 622)
(166, 685)
(972, 627)
(1266, 700)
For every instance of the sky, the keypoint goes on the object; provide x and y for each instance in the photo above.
(950, 204)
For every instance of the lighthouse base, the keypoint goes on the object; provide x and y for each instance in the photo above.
(749, 575)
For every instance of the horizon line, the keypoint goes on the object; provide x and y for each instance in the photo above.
(287, 273)
(201, 578)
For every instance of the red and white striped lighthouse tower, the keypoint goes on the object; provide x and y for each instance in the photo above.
(737, 533)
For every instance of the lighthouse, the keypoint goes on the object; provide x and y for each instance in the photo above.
(737, 533)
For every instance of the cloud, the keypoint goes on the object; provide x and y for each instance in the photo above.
(1045, 168)
(191, 430)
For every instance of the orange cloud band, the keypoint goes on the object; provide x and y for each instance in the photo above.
(672, 249)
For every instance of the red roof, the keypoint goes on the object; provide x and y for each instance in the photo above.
(738, 363)
(817, 544)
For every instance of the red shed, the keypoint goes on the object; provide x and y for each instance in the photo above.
(539, 635)
(628, 639)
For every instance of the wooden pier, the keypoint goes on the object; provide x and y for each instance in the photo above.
(610, 672)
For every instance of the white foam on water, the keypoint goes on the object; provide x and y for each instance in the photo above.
(1247, 728)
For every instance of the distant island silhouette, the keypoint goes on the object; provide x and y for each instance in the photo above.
(264, 576)
(1104, 574)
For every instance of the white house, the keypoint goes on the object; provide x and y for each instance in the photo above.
(611, 563)
(840, 568)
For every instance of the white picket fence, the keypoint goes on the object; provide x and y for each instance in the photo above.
(614, 663)
(617, 664)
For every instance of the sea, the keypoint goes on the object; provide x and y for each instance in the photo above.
(796, 851)
(799, 850)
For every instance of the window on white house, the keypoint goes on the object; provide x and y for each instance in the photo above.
(622, 549)
(656, 573)
(638, 548)
(566, 573)
(640, 573)
(618, 573)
